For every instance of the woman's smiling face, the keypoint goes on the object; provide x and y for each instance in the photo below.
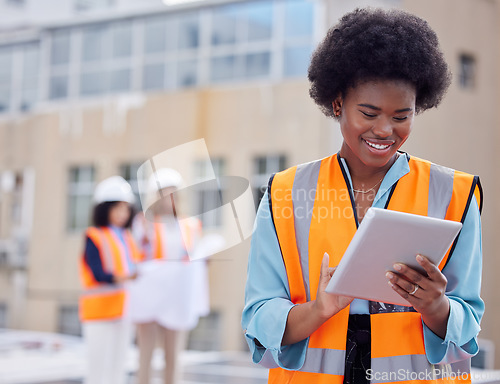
(376, 118)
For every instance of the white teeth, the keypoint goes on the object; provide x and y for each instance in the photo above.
(377, 146)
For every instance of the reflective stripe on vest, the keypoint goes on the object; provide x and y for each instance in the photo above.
(416, 368)
(314, 199)
(101, 301)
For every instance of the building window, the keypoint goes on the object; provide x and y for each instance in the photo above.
(485, 358)
(92, 83)
(225, 68)
(30, 72)
(3, 315)
(188, 31)
(80, 191)
(187, 73)
(467, 74)
(248, 40)
(60, 49)
(88, 5)
(259, 21)
(159, 35)
(93, 80)
(6, 66)
(4, 259)
(19, 75)
(224, 24)
(106, 58)
(171, 50)
(207, 334)
(264, 167)
(121, 39)
(59, 61)
(241, 38)
(93, 43)
(209, 192)
(16, 3)
(246, 22)
(153, 76)
(69, 322)
(299, 17)
(129, 173)
(257, 64)
(296, 60)
(156, 35)
(17, 200)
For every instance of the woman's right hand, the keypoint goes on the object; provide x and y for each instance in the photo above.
(304, 319)
(117, 279)
(328, 304)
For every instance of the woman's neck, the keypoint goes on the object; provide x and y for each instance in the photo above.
(362, 173)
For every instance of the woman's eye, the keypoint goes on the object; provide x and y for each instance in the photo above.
(368, 114)
(400, 118)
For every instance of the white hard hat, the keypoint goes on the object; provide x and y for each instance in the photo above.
(164, 178)
(114, 188)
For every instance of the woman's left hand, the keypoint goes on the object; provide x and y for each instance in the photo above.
(425, 292)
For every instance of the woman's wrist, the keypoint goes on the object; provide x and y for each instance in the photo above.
(320, 312)
(437, 319)
(303, 320)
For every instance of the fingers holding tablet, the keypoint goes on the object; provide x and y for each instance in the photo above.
(422, 290)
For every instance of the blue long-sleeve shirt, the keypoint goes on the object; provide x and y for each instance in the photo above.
(267, 294)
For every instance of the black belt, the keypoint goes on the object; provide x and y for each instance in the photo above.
(358, 350)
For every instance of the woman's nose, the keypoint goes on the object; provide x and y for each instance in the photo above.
(383, 127)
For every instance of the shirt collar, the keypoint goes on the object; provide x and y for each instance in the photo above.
(118, 230)
(396, 172)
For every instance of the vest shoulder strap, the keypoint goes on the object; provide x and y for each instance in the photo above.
(94, 234)
(281, 205)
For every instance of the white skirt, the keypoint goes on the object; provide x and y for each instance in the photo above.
(172, 293)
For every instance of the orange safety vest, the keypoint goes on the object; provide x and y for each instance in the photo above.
(103, 301)
(313, 211)
(190, 229)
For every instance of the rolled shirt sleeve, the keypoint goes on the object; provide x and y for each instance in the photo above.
(463, 272)
(267, 299)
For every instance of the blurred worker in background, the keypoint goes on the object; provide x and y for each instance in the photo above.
(172, 291)
(108, 262)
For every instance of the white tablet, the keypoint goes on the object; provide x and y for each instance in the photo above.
(383, 238)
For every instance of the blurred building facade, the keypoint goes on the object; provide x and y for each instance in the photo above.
(92, 88)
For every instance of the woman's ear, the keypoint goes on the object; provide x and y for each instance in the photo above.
(337, 106)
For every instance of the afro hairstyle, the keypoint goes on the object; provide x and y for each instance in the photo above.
(375, 44)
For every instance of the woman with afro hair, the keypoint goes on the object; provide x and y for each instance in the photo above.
(374, 71)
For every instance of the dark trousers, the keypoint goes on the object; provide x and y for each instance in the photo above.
(358, 350)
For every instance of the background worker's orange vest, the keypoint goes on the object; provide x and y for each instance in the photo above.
(314, 212)
(190, 230)
(102, 301)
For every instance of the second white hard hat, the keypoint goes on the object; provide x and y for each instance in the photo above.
(164, 178)
(114, 188)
